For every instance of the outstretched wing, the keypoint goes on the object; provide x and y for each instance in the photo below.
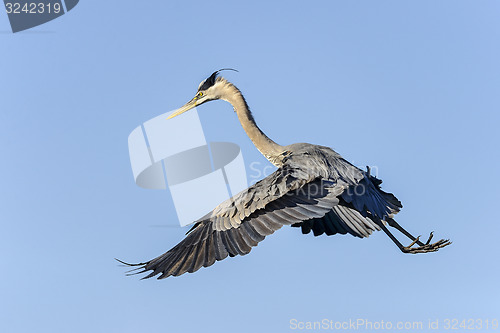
(289, 195)
(359, 207)
(315, 188)
(340, 220)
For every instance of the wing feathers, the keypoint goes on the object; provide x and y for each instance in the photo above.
(341, 219)
(210, 251)
(220, 249)
(314, 188)
(220, 236)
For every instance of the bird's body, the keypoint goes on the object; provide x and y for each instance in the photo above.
(314, 188)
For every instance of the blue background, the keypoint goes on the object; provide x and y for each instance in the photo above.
(411, 88)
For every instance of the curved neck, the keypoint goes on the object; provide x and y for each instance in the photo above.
(270, 149)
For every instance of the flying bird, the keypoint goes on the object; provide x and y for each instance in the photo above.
(314, 189)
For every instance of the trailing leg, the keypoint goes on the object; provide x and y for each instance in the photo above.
(421, 248)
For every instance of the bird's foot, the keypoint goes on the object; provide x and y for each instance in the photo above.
(427, 247)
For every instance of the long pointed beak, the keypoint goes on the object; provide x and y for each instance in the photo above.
(188, 106)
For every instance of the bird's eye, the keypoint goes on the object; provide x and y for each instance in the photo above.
(199, 94)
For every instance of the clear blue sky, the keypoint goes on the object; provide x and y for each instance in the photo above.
(411, 87)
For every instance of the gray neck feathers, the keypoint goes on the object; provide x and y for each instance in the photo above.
(270, 149)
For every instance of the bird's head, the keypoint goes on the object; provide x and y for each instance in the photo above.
(208, 90)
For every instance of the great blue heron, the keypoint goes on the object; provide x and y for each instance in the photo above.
(314, 188)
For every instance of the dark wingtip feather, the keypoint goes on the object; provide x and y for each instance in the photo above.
(128, 264)
(136, 273)
(141, 265)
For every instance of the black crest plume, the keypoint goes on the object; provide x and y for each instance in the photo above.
(210, 81)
